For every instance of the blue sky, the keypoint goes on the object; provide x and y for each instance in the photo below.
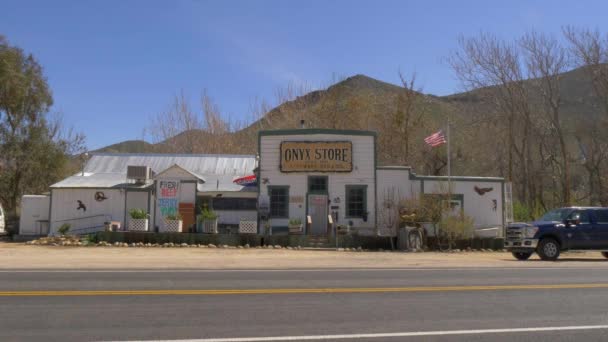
(114, 64)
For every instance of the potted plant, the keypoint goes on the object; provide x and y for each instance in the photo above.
(173, 224)
(138, 220)
(295, 226)
(206, 222)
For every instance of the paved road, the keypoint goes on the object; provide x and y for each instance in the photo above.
(369, 305)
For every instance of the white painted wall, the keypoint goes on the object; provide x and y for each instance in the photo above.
(34, 208)
(394, 186)
(136, 200)
(363, 173)
(64, 204)
(2, 219)
(478, 207)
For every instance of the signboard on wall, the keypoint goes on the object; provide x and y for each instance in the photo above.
(168, 197)
(316, 156)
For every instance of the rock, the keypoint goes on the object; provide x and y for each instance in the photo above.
(289, 247)
(277, 247)
(184, 244)
(224, 246)
(360, 248)
(247, 246)
(340, 249)
(211, 245)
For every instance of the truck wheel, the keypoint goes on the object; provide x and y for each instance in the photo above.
(605, 254)
(521, 255)
(548, 249)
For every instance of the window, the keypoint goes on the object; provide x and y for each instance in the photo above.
(279, 201)
(582, 216)
(223, 203)
(356, 201)
(317, 184)
(601, 216)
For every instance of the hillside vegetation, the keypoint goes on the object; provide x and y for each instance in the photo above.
(535, 113)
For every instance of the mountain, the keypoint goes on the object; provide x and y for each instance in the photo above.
(129, 146)
(361, 102)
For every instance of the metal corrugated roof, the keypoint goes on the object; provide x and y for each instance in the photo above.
(201, 164)
(109, 170)
(94, 180)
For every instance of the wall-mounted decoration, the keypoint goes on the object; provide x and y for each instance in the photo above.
(100, 196)
(168, 198)
(319, 156)
(81, 206)
(482, 191)
(494, 204)
(296, 199)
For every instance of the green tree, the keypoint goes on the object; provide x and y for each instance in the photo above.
(34, 150)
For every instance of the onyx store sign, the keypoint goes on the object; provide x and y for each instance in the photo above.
(316, 156)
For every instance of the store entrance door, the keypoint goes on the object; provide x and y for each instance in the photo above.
(317, 210)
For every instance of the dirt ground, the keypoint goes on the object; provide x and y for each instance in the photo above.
(21, 256)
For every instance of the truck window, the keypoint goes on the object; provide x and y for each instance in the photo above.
(601, 216)
(557, 215)
(582, 216)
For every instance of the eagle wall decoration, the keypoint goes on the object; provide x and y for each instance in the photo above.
(100, 196)
(482, 191)
(81, 206)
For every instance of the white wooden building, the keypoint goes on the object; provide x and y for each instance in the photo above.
(300, 178)
(103, 192)
(300, 173)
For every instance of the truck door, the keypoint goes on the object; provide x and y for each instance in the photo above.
(601, 229)
(581, 236)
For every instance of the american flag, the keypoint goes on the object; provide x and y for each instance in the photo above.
(435, 139)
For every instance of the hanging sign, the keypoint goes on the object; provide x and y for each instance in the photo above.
(168, 197)
(250, 180)
(316, 156)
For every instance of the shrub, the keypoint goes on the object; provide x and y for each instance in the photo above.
(138, 214)
(174, 217)
(295, 222)
(64, 228)
(206, 214)
(452, 228)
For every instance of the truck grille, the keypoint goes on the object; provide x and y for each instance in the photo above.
(514, 234)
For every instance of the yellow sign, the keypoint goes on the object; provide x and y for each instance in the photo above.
(316, 156)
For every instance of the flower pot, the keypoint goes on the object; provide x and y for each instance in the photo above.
(207, 226)
(296, 229)
(171, 226)
(138, 225)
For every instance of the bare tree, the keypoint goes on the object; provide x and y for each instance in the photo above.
(546, 61)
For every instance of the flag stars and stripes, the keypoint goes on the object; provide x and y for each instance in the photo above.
(435, 139)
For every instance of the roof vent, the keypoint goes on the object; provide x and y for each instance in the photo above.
(140, 174)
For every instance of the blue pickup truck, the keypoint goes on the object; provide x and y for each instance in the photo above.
(573, 228)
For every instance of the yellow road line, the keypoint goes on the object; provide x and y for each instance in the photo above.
(299, 291)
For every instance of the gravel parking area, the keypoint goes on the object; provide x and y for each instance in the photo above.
(21, 256)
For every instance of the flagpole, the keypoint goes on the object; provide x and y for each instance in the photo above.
(449, 163)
